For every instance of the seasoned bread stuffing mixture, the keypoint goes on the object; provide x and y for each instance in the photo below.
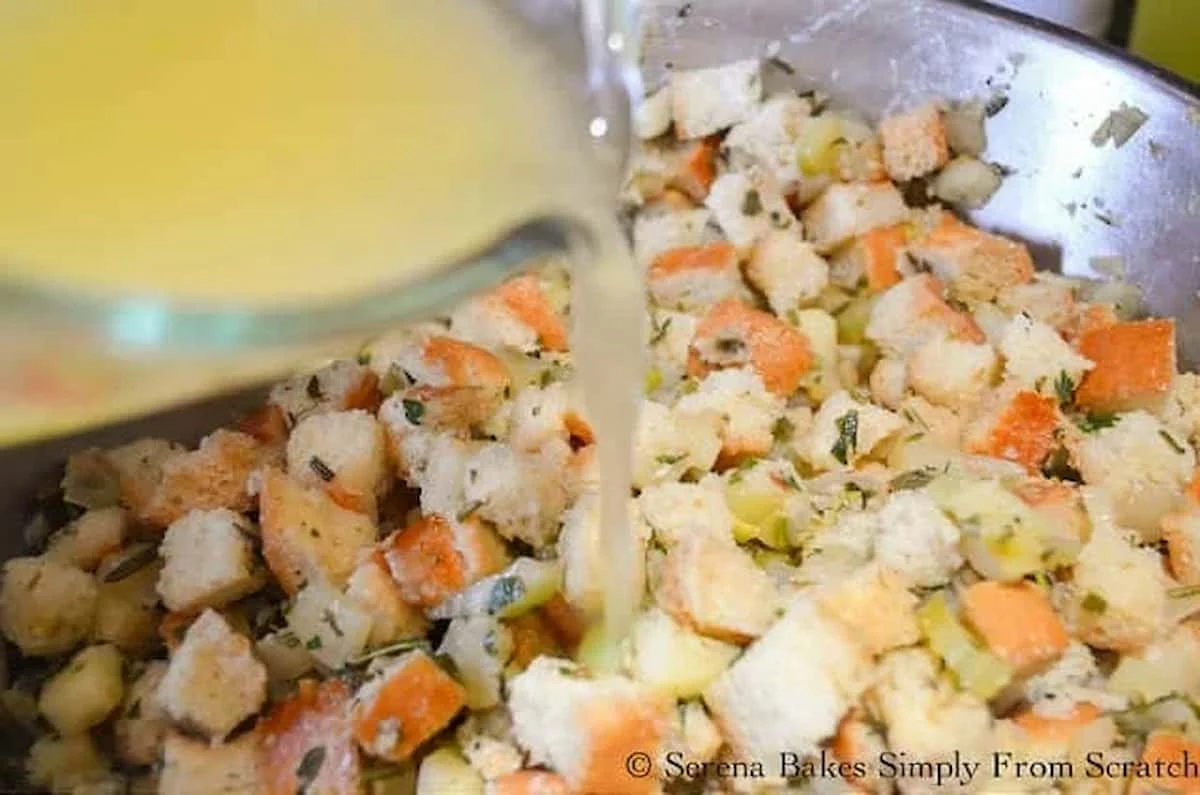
(901, 498)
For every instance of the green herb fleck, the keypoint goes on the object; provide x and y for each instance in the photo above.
(505, 592)
(1064, 388)
(744, 466)
(321, 468)
(313, 388)
(781, 65)
(847, 441)
(313, 643)
(136, 560)
(1058, 466)
(329, 618)
(783, 430)
(670, 459)
(1184, 592)
(730, 345)
(913, 479)
(394, 648)
(660, 331)
(1169, 439)
(1090, 422)
(752, 204)
(1094, 603)
(414, 410)
(310, 767)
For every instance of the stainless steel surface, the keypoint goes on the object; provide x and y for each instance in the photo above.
(884, 54)
(1070, 200)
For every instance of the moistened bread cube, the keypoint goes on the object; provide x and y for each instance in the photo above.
(403, 704)
(952, 372)
(652, 116)
(139, 468)
(307, 536)
(209, 561)
(213, 681)
(90, 538)
(875, 607)
(914, 143)
(191, 767)
(788, 692)
(392, 619)
(1020, 427)
(845, 211)
(747, 207)
(690, 278)
(343, 452)
(434, 558)
(1119, 593)
(308, 742)
(705, 101)
(654, 233)
(1036, 357)
(332, 626)
(1135, 365)
(142, 723)
(735, 334)
(845, 431)
(917, 540)
(128, 608)
(585, 728)
(787, 270)
(976, 265)
(914, 311)
(84, 692)
(1017, 622)
(1181, 531)
(670, 658)
(46, 607)
(340, 386)
(715, 588)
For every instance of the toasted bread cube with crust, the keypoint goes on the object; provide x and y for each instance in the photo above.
(1059, 505)
(1047, 298)
(845, 431)
(1118, 593)
(873, 257)
(715, 588)
(914, 143)
(669, 443)
(747, 410)
(747, 206)
(404, 704)
(914, 311)
(209, 561)
(67, 764)
(310, 725)
(735, 334)
(693, 277)
(768, 139)
(341, 385)
(1181, 532)
(916, 540)
(139, 469)
(85, 692)
(1135, 365)
(90, 538)
(706, 101)
(198, 768)
(974, 264)
(1166, 751)
(656, 232)
(787, 270)
(952, 372)
(306, 535)
(435, 557)
(518, 314)
(1036, 357)
(522, 493)
(1017, 622)
(213, 681)
(791, 688)
(46, 607)
(1020, 428)
(344, 453)
(585, 728)
(1142, 467)
(528, 782)
(875, 608)
(213, 476)
(392, 618)
(676, 511)
(845, 211)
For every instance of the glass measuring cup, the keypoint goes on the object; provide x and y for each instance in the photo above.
(71, 358)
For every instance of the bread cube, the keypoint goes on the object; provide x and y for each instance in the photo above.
(403, 704)
(142, 723)
(392, 619)
(46, 607)
(344, 453)
(715, 588)
(341, 385)
(1135, 365)
(706, 101)
(912, 312)
(90, 538)
(845, 211)
(1020, 427)
(914, 143)
(85, 691)
(974, 264)
(1017, 622)
(209, 561)
(952, 372)
(735, 334)
(787, 270)
(691, 278)
(197, 768)
(435, 557)
(875, 608)
(308, 739)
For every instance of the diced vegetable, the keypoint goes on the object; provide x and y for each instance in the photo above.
(480, 647)
(674, 660)
(284, 655)
(852, 321)
(445, 770)
(83, 693)
(976, 669)
(821, 329)
(818, 148)
(526, 584)
(329, 624)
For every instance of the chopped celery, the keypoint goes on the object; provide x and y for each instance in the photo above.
(654, 379)
(822, 332)
(523, 586)
(599, 651)
(759, 511)
(479, 646)
(852, 321)
(977, 670)
(1003, 538)
(819, 145)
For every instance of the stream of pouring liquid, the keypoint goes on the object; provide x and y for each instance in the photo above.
(268, 153)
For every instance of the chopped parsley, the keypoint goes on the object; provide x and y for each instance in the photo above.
(913, 479)
(1058, 466)
(1094, 603)
(752, 203)
(1064, 388)
(414, 410)
(660, 331)
(1184, 592)
(1169, 439)
(744, 466)
(781, 65)
(313, 643)
(135, 561)
(313, 388)
(505, 592)
(730, 345)
(329, 618)
(847, 441)
(670, 459)
(310, 767)
(1092, 422)
(783, 430)
(321, 468)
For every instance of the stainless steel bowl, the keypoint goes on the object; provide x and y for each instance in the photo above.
(1069, 199)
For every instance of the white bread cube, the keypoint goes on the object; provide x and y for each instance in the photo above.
(338, 386)
(539, 416)
(652, 116)
(845, 211)
(668, 443)
(343, 452)
(748, 205)
(914, 143)
(952, 372)
(788, 692)
(197, 768)
(1072, 680)
(1181, 532)
(524, 494)
(392, 619)
(139, 469)
(845, 431)
(307, 536)
(787, 270)
(1180, 409)
(490, 752)
(715, 588)
(674, 512)
(917, 540)
(213, 681)
(128, 610)
(85, 692)
(46, 607)
(1035, 356)
(1118, 593)
(975, 265)
(672, 659)
(90, 538)
(142, 723)
(889, 381)
(747, 410)
(585, 728)
(1141, 466)
(1048, 297)
(332, 627)
(671, 335)
(656, 232)
(209, 561)
(705, 101)
(875, 607)
(768, 138)
(580, 550)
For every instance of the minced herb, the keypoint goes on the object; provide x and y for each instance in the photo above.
(1064, 388)
(135, 561)
(660, 331)
(313, 643)
(847, 441)
(1058, 466)
(783, 430)
(329, 618)
(321, 468)
(310, 767)
(313, 388)
(781, 65)
(913, 479)
(752, 203)
(1169, 439)
(1090, 423)
(506, 591)
(1184, 592)
(414, 410)
(1094, 603)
